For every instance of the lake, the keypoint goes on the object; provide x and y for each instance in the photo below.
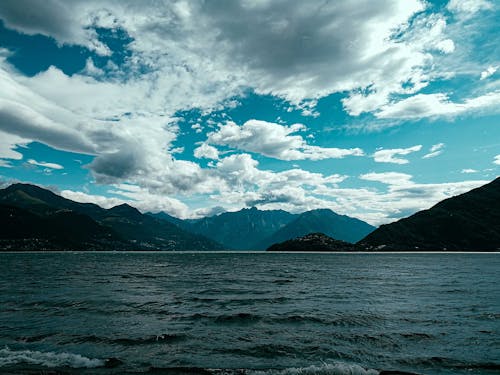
(249, 313)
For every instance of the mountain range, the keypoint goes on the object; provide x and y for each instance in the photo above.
(467, 222)
(36, 218)
(33, 218)
(253, 229)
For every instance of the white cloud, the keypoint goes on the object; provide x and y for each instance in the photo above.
(298, 51)
(206, 151)
(134, 196)
(468, 8)
(488, 72)
(275, 141)
(67, 24)
(402, 197)
(45, 164)
(434, 151)
(103, 201)
(497, 160)
(8, 144)
(390, 155)
(389, 178)
(436, 105)
(446, 46)
(468, 170)
(186, 55)
(197, 128)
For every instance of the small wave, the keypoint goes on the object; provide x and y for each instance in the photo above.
(238, 318)
(48, 359)
(417, 336)
(324, 369)
(36, 338)
(452, 363)
(164, 338)
(125, 341)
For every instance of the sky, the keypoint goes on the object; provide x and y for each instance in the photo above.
(374, 109)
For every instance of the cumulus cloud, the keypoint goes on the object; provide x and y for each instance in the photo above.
(298, 51)
(275, 141)
(203, 55)
(468, 170)
(57, 19)
(390, 155)
(206, 151)
(45, 164)
(434, 151)
(488, 72)
(496, 160)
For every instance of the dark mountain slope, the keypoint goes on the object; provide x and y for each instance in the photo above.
(142, 231)
(154, 233)
(62, 230)
(325, 221)
(184, 224)
(469, 221)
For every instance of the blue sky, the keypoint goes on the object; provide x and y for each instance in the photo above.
(375, 109)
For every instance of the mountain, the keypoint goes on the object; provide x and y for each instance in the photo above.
(325, 221)
(123, 222)
(467, 222)
(184, 224)
(314, 242)
(244, 229)
(253, 229)
(60, 230)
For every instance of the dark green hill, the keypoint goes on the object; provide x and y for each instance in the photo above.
(467, 222)
(60, 230)
(140, 231)
(325, 221)
(314, 242)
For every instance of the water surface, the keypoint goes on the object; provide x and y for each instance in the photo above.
(91, 313)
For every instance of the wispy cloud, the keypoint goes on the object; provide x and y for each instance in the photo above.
(391, 155)
(468, 170)
(45, 164)
(434, 151)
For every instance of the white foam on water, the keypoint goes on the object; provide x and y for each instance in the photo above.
(324, 369)
(48, 359)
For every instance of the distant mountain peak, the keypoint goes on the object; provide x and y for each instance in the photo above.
(125, 208)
